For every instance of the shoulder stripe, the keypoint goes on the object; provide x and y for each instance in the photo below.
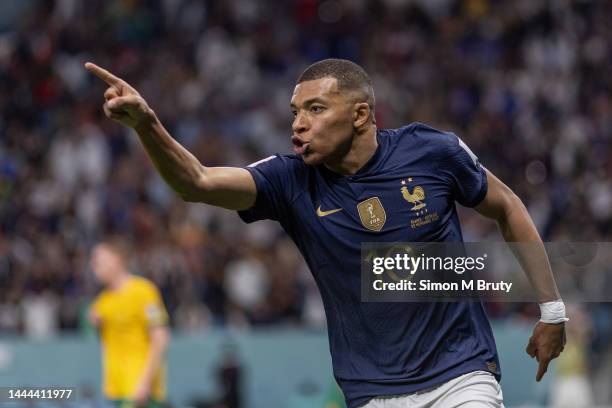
(469, 152)
(261, 161)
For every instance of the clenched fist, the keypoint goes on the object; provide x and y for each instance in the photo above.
(123, 103)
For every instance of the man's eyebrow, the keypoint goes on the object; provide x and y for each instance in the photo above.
(310, 101)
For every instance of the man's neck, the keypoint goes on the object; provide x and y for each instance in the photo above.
(119, 281)
(361, 151)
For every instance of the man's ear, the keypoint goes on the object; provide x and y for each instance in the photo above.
(361, 114)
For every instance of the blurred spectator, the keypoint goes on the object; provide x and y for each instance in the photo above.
(230, 378)
(571, 386)
(40, 314)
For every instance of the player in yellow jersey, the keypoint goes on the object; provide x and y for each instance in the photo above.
(132, 323)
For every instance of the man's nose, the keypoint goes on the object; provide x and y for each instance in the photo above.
(300, 124)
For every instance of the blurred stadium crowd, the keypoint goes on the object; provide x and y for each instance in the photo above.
(525, 83)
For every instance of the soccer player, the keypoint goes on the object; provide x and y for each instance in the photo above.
(132, 322)
(343, 186)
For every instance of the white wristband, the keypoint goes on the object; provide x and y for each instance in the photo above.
(553, 312)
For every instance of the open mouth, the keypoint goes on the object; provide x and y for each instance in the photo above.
(299, 146)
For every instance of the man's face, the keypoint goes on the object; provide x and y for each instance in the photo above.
(105, 263)
(323, 121)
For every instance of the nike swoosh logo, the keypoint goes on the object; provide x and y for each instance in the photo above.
(326, 213)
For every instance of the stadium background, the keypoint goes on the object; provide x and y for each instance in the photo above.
(525, 83)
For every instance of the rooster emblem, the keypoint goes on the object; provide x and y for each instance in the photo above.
(416, 197)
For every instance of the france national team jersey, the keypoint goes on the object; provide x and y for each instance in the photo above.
(378, 348)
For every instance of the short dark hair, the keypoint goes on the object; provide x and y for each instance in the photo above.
(349, 75)
(118, 245)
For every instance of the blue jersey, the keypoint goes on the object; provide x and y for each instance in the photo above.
(405, 193)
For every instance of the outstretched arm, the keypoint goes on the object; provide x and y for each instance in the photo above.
(228, 187)
(502, 205)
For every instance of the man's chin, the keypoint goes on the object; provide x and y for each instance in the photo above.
(312, 159)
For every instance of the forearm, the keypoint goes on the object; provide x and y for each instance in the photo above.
(155, 357)
(228, 187)
(181, 169)
(517, 227)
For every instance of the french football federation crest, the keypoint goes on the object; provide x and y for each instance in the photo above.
(420, 215)
(372, 214)
(416, 197)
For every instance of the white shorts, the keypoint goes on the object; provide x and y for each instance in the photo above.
(478, 389)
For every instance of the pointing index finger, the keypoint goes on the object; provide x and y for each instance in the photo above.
(542, 368)
(103, 74)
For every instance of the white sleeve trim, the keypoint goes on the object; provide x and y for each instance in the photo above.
(262, 161)
(469, 152)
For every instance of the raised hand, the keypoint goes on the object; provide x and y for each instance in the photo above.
(123, 103)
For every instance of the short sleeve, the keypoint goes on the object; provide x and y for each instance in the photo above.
(275, 183)
(467, 176)
(154, 310)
